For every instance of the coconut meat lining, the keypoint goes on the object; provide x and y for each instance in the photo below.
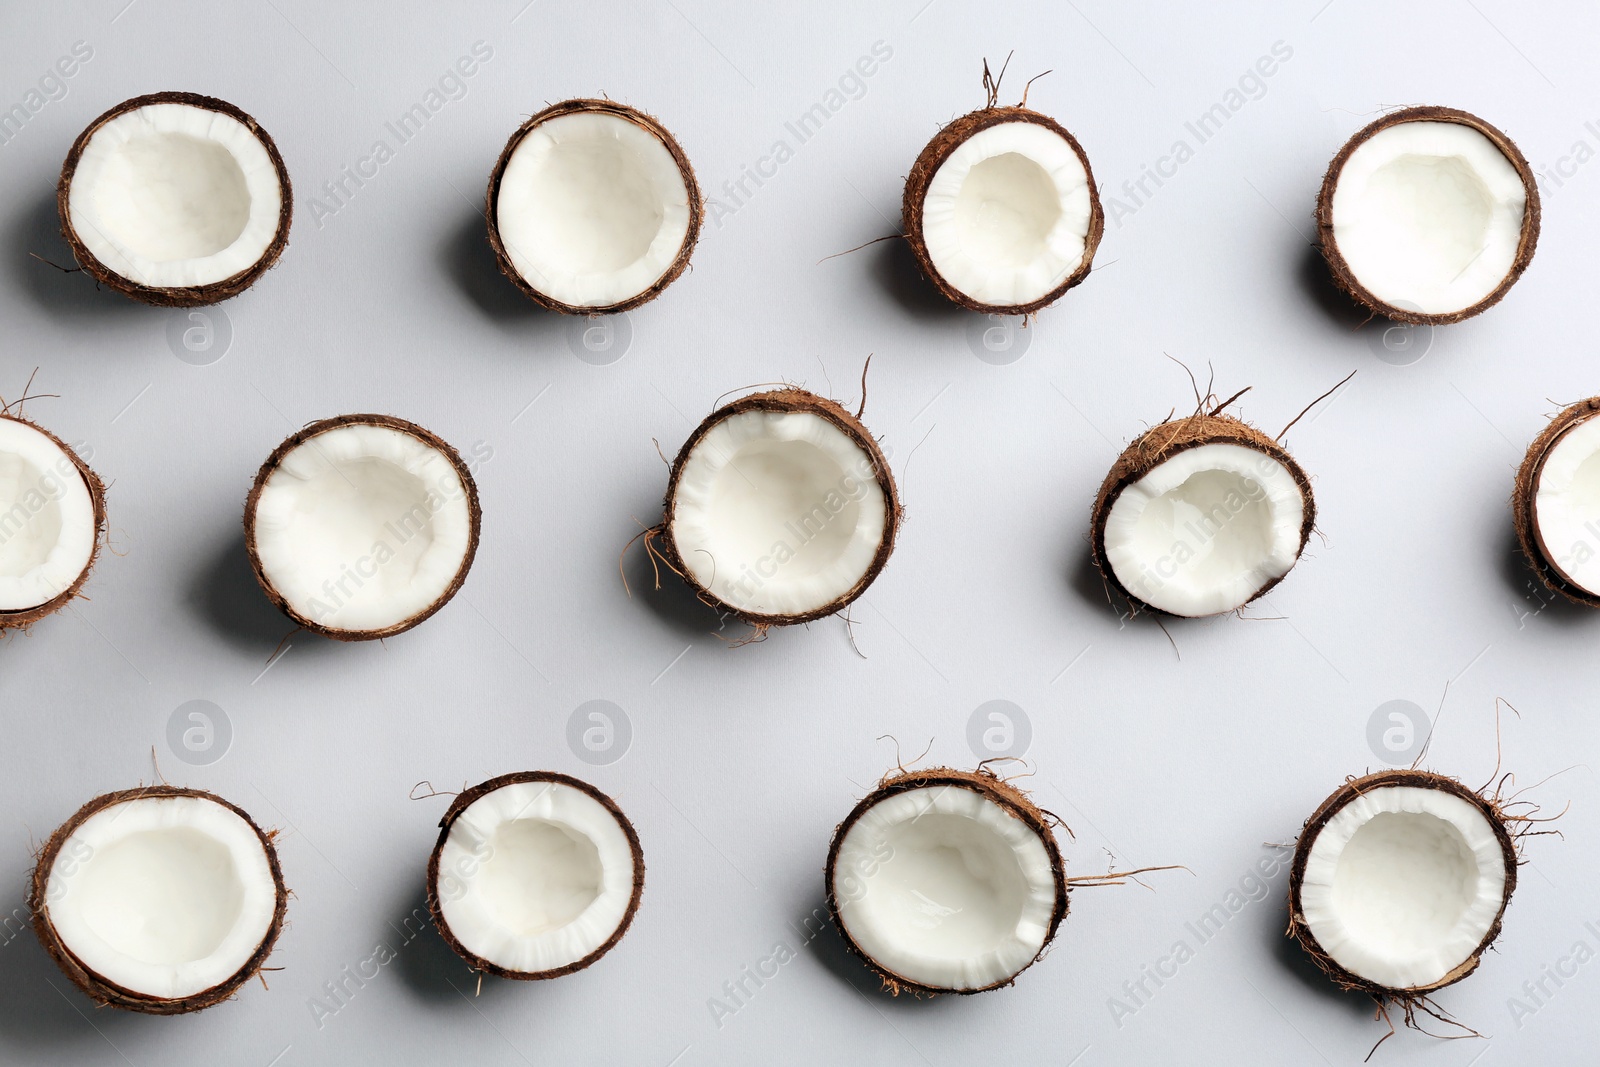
(945, 888)
(1402, 885)
(534, 876)
(592, 209)
(1007, 214)
(1566, 505)
(778, 513)
(1428, 216)
(1206, 530)
(362, 527)
(171, 195)
(47, 518)
(164, 896)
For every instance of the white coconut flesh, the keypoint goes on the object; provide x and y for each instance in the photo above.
(362, 527)
(592, 209)
(535, 876)
(163, 896)
(47, 519)
(171, 195)
(1206, 530)
(1428, 216)
(778, 513)
(1402, 885)
(1566, 505)
(1007, 214)
(942, 886)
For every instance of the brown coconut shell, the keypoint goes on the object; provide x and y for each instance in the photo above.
(467, 798)
(649, 124)
(946, 141)
(788, 399)
(21, 620)
(1159, 444)
(1540, 556)
(1355, 787)
(984, 782)
(1345, 278)
(97, 987)
(187, 295)
(427, 437)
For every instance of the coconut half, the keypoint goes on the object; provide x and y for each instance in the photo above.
(946, 881)
(535, 875)
(1428, 215)
(159, 900)
(1001, 211)
(52, 512)
(362, 526)
(1399, 883)
(175, 199)
(593, 208)
(780, 509)
(1556, 504)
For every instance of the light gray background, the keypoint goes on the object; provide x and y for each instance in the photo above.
(742, 761)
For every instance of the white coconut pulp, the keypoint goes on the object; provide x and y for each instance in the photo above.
(535, 876)
(362, 527)
(47, 518)
(1428, 216)
(942, 886)
(171, 195)
(164, 896)
(1206, 530)
(1566, 505)
(1402, 885)
(1007, 214)
(592, 209)
(778, 513)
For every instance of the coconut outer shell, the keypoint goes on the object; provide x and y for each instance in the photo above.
(933, 156)
(21, 620)
(466, 799)
(984, 782)
(97, 987)
(1345, 278)
(1353, 788)
(1159, 444)
(187, 295)
(650, 125)
(1540, 558)
(474, 513)
(790, 400)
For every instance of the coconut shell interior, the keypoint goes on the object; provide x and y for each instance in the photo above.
(21, 620)
(1529, 537)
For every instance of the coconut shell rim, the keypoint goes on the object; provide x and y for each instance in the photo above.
(1524, 496)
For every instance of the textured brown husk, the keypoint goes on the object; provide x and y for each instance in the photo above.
(474, 512)
(460, 804)
(1159, 444)
(21, 620)
(946, 141)
(1346, 279)
(984, 782)
(650, 126)
(1355, 787)
(799, 401)
(188, 295)
(96, 986)
(1540, 558)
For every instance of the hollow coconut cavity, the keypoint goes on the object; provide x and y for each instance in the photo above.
(1201, 515)
(159, 900)
(175, 199)
(1399, 883)
(780, 509)
(593, 208)
(1556, 504)
(52, 513)
(535, 875)
(1428, 215)
(946, 881)
(362, 526)
(1001, 212)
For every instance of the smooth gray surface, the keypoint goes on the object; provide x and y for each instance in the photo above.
(742, 761)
